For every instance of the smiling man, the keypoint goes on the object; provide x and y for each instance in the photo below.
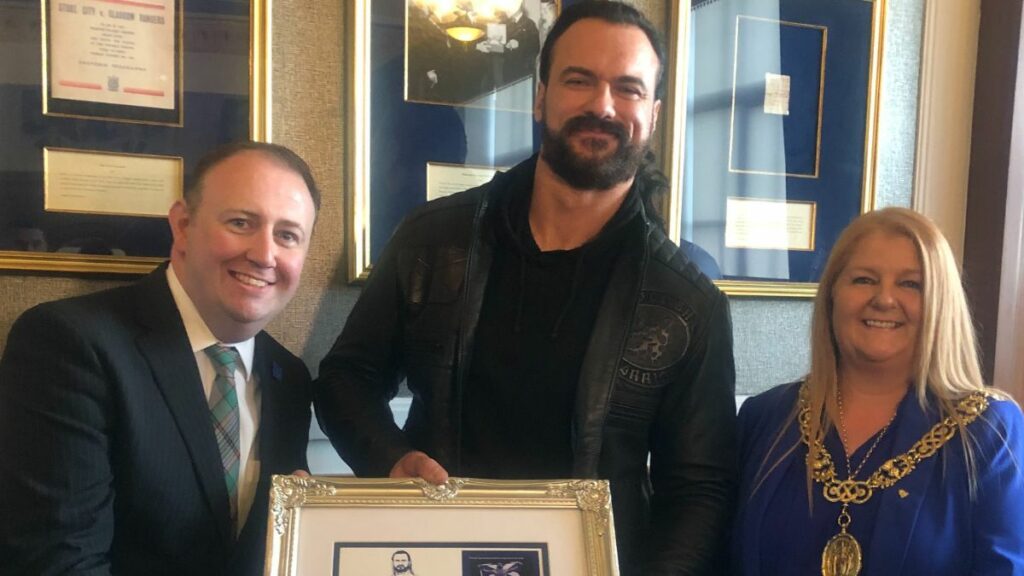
(139, 426)
(547, 327)
(401, 564)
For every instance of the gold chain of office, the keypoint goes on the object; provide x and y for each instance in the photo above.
(849, 491)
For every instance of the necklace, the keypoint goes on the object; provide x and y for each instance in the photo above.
(842, 554)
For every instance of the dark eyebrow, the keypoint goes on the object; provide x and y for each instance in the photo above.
(577, 70)
(624, 79)
(234, 212)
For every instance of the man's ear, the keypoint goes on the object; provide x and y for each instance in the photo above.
(538, 103)
(654, 115)
(179, 218)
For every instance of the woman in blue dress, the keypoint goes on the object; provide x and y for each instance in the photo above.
(891, 456)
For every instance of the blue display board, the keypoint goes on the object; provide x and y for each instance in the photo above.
(448, 99)
(779, 136)
(215, 39)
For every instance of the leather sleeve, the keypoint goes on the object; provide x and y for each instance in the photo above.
(361, 374)
(56, 480)
(693, 457)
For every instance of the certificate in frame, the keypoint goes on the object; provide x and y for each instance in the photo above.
(225, 47)
(783, 109)
(345, 526)
(114, 61)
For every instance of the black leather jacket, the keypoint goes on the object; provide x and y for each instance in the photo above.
(657, 377)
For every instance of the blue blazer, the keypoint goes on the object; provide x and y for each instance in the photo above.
(936, 528)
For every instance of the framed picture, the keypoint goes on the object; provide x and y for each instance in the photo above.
(85, 184)
(779, 137)
(113, 61)
(413, 134)
(440, 93)
(353, 526)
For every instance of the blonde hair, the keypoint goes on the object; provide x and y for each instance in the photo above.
(946, 354)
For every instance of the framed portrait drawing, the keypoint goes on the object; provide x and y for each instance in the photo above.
(778, 136)
(441, 96)
(107, 106)
(466, 527)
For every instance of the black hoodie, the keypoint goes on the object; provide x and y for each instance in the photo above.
(535, 323)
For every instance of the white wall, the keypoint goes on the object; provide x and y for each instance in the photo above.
(948, 59)
(1009, 369)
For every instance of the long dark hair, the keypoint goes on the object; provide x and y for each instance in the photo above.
(614, 13)
(652, 185)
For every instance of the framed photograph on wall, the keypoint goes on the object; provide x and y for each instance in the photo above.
(780, 108)
(434, 87)
(210, 60)
(466, 527)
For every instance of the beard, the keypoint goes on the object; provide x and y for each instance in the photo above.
(591, 172)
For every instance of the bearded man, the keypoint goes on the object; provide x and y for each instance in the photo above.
(547, 327)
(401, 564)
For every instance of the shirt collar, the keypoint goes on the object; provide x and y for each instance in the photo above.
(199, 335)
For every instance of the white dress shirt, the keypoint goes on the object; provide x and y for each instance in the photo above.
(246, 387)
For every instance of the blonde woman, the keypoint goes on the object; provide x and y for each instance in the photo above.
(891, 456)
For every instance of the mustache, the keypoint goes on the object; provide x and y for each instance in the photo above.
(594, 124)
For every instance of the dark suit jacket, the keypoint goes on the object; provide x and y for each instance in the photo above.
(933, 527)
(519, 61)
(108, 461)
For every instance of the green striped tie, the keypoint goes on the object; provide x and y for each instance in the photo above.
(224, 415)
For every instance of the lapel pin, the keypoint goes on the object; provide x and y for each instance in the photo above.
(903, 493)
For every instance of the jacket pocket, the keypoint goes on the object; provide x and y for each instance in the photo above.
(432, 275)
(636, 398)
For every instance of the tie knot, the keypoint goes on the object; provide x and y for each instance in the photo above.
(225, 359)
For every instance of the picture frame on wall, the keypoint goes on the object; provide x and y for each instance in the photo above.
(113, 61)
(437, 97)
(219, 55)
(469, 527)
(403, 143)
(779, 133)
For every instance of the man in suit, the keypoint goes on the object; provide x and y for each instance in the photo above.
(522, 47)
(139, 426)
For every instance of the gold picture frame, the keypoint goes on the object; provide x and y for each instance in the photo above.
(344, 526)
(691, 204)
(25, 189)
(110, 111)
(366, 229)
(821, 92)
(361, 225)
